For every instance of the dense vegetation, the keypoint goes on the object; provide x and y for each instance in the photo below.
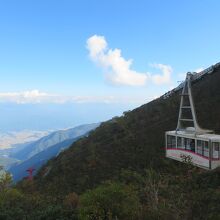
(119, 171)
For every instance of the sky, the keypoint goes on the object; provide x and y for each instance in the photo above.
(59, 58)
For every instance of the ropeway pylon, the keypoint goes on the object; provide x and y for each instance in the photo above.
(186, 97)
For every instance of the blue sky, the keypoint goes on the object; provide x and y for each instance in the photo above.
(45, 56)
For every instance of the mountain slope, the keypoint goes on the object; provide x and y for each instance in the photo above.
(18, 171)
(6, 161)
(11, 139)
(134, 141)
(54, 138)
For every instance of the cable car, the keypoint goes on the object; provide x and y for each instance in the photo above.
(189, 142)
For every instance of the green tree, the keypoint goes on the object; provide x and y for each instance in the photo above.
(71, 200)
(5, 179)
(109, 201)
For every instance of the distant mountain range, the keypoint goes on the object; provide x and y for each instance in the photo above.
(37, 153)
(19, 170)
(54, 138)
(7, 161)
(13, 138)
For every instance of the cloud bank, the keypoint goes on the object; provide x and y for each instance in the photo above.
(118, 70)
(24, 96)
(37, 97)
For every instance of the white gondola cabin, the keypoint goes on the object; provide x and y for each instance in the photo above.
(189, 141)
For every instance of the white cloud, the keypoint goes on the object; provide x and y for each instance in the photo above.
(37, 97)
(118, 69)
(96, 45)
(182, 76)
(199, 70)
(165, 78)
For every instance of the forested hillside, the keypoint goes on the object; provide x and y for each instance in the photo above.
(120, 171)
(134, 141)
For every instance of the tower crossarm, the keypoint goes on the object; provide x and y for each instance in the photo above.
(186, 95)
